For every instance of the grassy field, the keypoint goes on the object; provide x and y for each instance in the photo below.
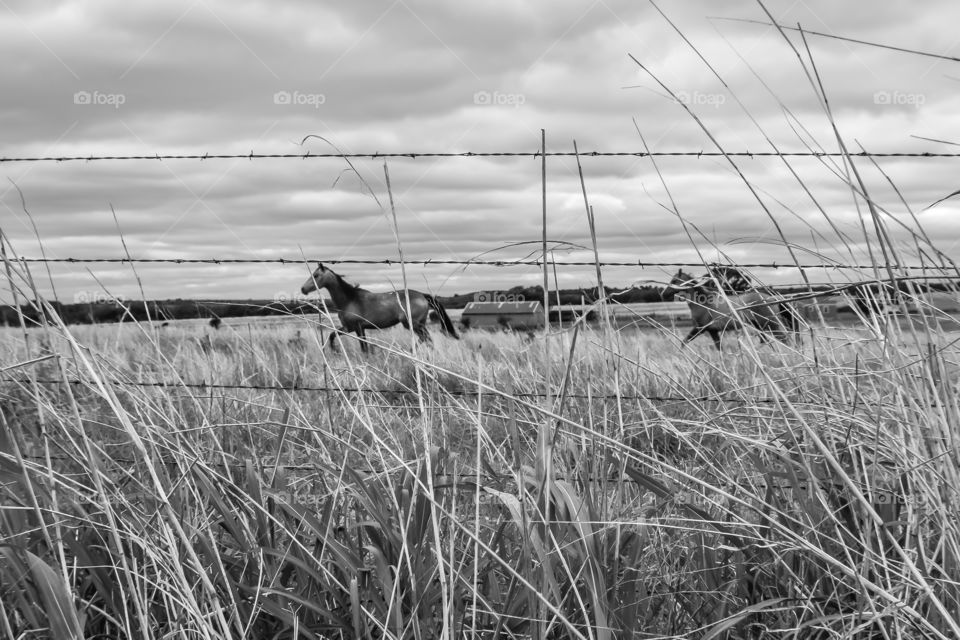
(770, 490)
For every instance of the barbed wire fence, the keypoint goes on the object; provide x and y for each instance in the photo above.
(937, 271)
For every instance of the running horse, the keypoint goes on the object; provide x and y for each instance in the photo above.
(359, 309)
(715, 309)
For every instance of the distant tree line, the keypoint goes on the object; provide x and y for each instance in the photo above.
(179, 309)
(140, 311)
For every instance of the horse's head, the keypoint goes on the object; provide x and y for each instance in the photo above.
(319, 279)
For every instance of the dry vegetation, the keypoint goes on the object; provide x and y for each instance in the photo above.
(769, 489)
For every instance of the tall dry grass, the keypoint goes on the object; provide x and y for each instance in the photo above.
(765, 491)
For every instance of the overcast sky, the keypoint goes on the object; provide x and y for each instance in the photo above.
(211, 76)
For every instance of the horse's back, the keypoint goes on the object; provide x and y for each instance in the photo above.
(384, 310)
(723, 312)
(713, 311)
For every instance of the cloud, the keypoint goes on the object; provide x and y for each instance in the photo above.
(208, 76)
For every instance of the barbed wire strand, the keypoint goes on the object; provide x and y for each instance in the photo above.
(492, 263)
(481, 154)
(408, 392)
(359, 390)
(464, 481)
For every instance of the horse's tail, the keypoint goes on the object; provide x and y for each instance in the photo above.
(445, 320)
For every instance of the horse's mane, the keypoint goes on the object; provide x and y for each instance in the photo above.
(731, 279)
(348, 287)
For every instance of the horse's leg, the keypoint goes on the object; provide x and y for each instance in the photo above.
(362, 337)
(761, 323)
(332, 340)
(422, 333)
(794, 325)
(776, 328)
(790, 338)
(421, 329)
(716, 338)
(784, 331)
(696, 331)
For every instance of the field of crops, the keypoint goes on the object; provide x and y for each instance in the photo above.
(176, 486)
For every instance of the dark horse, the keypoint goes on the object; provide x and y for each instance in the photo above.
(360, 309)
(716, 311)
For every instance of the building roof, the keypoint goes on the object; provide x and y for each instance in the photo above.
(501, 308)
